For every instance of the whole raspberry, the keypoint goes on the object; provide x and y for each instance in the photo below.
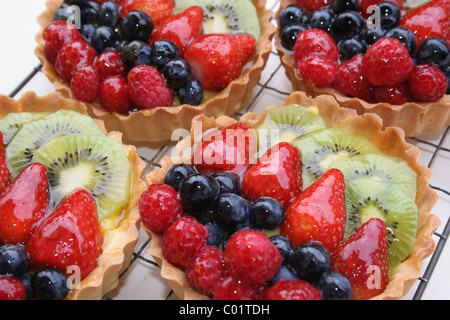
(114, 94)
(349, 79)
(147, 87)
(427, 83)
(394, 95)
(110, 63)
(233, 289)
(317, 70)
(57, 34)
(159, 206)
(315, 41)
(387, 63)
(205, 269)
(251, 256)
(292, 290)
(72, 56)
(85, 83)
(183, 239)
(313, 5)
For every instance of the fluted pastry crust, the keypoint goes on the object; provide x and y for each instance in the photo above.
(157, 124)
(118, 245)
(415, 118)
(390, 141)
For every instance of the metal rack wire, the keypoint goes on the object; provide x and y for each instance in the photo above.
(153, 162)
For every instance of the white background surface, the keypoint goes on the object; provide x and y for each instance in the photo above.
(142, 280)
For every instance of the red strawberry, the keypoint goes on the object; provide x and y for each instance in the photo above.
(362, 259)
(217, 59)
(318, 213)
(23, 204)
(180, 28)
(231, 149)
(277, 174)
(156, 9)
(429, 20)
(5, 174)
(70, 236)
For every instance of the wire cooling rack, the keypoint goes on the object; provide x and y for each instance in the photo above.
(272, 89)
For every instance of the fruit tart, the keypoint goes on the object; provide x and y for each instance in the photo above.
(147, 67)
(306, 201)
(69, 200)
(339, 48)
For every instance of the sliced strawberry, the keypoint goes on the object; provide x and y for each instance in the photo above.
(318, 213)
(156, 9)
(277, 174)
(23, 204)
(231, 149)
(217, 59)
(180, 28)
(70, 236)
(429, 20)
(363, 259)
(5, 173)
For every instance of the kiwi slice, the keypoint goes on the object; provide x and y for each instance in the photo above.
(98, 164)
(287, 123)
(380, 168)
(12, 122)
(320, 150)
(33, 135)
(388, 202)
(225, 16)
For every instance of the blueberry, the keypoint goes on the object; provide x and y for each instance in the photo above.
(229, 182)
(87, 31)
(198, 193)
(164, 51)
(108, 15)
(406, 37)
(389, 14)
(267, 213)
(334, 286)
(216, 232)
(447, 73)
(370, 36)
(177, 173)
(435, 51)
(26, 280)
(177, 73)
(284, 273)
(291, 15)
(136, 25)
(339, 6)
(347, 24)
(89, 12)
(191, 93)
(104, 37)
(289, 35)
(130, 51)
(49, 284)
(63, 13)
(144, 56)
(351, 47)
(322, 19)
(13, 259)
(310, 261)
(80, 3)
(231, 210)
(284, 246)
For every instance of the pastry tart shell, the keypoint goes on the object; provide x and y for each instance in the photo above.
(157, 124)
(391, 141)
(415, 118)
(118, 245)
